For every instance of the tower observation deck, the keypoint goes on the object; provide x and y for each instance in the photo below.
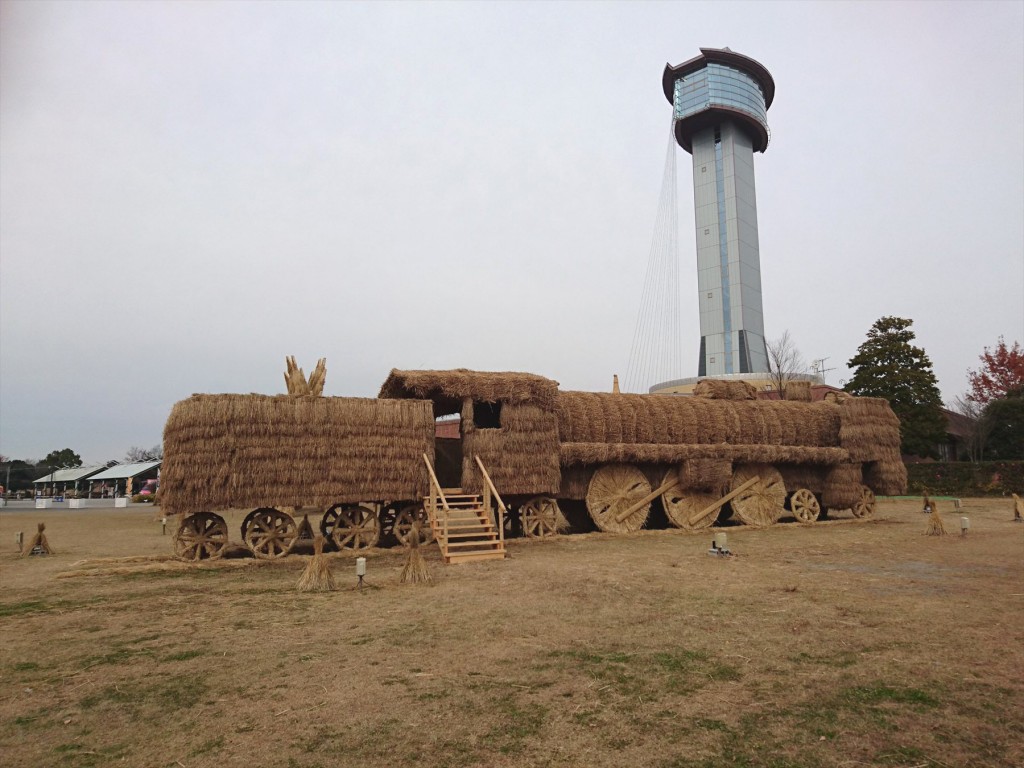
(720, 103)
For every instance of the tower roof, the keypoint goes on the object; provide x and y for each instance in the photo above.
(721, 56)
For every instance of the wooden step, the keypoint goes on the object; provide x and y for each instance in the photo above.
(469, 557)
(483, 535)
(479, 544)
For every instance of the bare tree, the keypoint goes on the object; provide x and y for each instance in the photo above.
(136, 454)
(784, 362)
(976, 425)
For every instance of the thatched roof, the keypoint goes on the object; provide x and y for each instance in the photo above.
(447, 389)
(252, 451)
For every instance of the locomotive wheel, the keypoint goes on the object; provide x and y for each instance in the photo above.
(614, 488)
(761, 504)
(202, 536)
(540, 517)
(804, 506)
(357, 528)
(680, 504)
(328, 521)
(403, 524)
(865, 506)
(271, 533)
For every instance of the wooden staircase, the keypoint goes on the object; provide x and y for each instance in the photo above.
(463, 524)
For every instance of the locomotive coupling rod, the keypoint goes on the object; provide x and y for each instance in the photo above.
(696, 517)
(646, 500)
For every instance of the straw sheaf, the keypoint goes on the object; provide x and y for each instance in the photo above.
(448, 388)
(255, 450)
(596, 417)
(718, 389)
(571, 454)
(521, 457)
(842, 486)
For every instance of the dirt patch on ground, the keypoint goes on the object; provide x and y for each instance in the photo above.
(836, 644)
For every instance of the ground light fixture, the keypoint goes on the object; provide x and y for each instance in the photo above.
(361, 570)
(965, 525)
(720, 545)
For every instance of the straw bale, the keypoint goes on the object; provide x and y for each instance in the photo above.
(704, 474)
(575, 481)
(888, 477)
(870, 431)
(604, 418)
(809, 476)
(720, 389)
(842, 486)
(226, 451)
(521, 457)
(798, 391)
(571, 454)
(447, 389)
(836, 397)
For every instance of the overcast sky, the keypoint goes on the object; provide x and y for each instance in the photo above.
(191, 191)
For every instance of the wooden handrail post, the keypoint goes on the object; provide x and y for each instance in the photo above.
(489, 486)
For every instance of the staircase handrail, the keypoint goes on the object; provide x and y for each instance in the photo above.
(502, 511)
(433, 481)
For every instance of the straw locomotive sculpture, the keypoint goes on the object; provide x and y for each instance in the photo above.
(363, 463)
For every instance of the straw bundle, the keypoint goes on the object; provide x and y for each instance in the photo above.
(39, 540)
(870, 431)
(935, 526)
(295, 378)
(317, 577)
(842, 486)
(415, 569)
(1018, 509)
(704, 474)
(225, 451)
(719, 389)
(798, 391)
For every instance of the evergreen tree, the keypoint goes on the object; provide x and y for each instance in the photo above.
(888, 365)
(1005, 418)
(62, 459)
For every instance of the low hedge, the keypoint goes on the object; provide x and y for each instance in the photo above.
(964, 478)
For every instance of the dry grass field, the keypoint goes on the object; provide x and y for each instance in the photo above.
(838, 644)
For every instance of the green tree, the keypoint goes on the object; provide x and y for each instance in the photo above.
(63, 458)
(1005, 419)
(888, 365)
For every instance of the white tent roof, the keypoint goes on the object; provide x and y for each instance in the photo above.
(124, 471)
(68, 475)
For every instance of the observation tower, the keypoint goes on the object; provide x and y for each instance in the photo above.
(720, 101)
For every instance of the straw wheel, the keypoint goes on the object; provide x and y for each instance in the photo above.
(761, 504)
(539, 517)
(202, 536)
(680, 504)
(404, 519)
(357, 528)
(613, 489)
(270, 533)
(865, 506)
(804, 505)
